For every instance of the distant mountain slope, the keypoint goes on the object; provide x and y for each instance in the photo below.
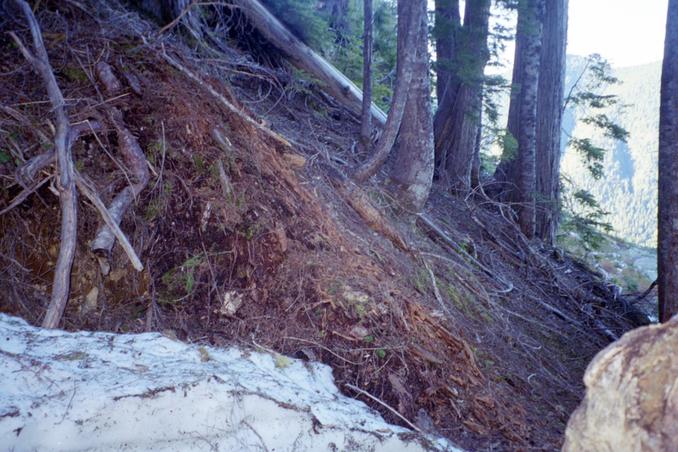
(629, 188)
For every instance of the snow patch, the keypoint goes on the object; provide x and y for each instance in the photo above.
(102, 391)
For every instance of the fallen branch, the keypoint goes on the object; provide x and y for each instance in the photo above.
(436, 292)
(91, 194)
(136, 161)
(65, 180)
(238, 111)
(21, 197)
(26, 173)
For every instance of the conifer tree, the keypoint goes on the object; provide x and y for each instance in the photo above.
(458, 117)
(549, 119)
(518, 167)
(667, 249)
(366, 121)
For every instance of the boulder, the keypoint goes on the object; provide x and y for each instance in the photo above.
(631, 401)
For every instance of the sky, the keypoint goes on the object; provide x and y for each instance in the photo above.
(626, 32)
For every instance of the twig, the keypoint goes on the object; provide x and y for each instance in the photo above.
(188, 8)
(67, 193)
(388, 407)
(436, 292)
(324, 348)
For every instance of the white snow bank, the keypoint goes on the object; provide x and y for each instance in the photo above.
(101, 391)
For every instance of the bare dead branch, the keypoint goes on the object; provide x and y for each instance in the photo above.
(91, 194)
(66, 184)
(384, 404)
(238, 111)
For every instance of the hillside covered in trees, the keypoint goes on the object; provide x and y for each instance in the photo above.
(286, 185)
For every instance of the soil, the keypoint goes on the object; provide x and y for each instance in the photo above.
(487, 338)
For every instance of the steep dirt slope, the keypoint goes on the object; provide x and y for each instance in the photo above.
(481, 337)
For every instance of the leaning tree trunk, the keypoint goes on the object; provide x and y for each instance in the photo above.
(667, 246)
(457, 125)
(412, 173)
(549, 119)
(518, 167)
(340, 86)
(366, 122)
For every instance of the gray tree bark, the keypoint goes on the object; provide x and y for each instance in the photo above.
(667, 246)
(408, 34)
(549, 119)
(412, 172)
(457, 120)
(366, 123)
(518, 171)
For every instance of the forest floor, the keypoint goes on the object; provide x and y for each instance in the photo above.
(482, 338)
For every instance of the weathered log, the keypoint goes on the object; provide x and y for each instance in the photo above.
(340, 86)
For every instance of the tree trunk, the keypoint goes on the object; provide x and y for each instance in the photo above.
(446, 31)
(340, 86)
(475, 164)
(408, 34)
(412, 172)
(447, 25)
(549, 119)
(518, 168)
(457, 120)
(366, 123)
(667, 246)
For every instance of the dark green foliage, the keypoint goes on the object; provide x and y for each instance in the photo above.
(592, 155)
(583, 215)
(583, 212)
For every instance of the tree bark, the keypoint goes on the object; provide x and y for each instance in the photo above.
(412, 172)
(667, 246)
(475, 164)
(408, 34)
(457, 123)
(549, 119)
(447, 25)
(518, 170)
(340, 86)
(366, 123)
(446, 32)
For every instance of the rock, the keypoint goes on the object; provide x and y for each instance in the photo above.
(102, 391)
(631, 401)
(231, 303)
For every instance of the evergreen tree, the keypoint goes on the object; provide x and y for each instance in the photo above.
(518, 166)
(668, 172)
(412, 173)
(549, 119)
(408, 33)
(458, 117)
(366, 120)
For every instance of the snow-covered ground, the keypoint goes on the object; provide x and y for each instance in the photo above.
(101, 391)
